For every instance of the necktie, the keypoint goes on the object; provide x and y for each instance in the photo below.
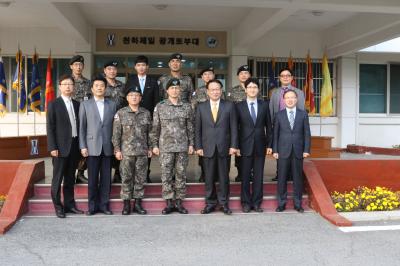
(214, 111)
(72, 118)
(142, 84)
(291, 119)
(282, 104)
(253, 112)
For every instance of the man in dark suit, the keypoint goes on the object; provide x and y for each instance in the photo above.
(96, 117)
(63, 145)
(255, 140)
(291, 143)
(215, 139)
(149, 87)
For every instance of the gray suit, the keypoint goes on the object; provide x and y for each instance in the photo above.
(275, 100)
(95, 135)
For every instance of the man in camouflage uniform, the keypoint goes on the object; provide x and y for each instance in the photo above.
(199, 96)
(82, 93)
(131, 142)
(236, 95)
(115, 91)
(172, 138)
(175, 66)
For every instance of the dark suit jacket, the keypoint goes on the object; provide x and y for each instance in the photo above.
(258, 136)
(94, 134)
(285, 139)
(222, 134)
(59, 130)
(151, 91)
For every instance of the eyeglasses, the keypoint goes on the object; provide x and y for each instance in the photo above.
(286, 76)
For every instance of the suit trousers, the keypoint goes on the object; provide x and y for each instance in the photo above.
(252, 198)
(99, 183)
(294, 165)
(216, 168)
(64, 169)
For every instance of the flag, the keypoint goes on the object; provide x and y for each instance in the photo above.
(271, 75)
(308, 87)
(291, 67)
(18, 83)
(50, 96)
(34, 94)
(326, 108)
(3, 89)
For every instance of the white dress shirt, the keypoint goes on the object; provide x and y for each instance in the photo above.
(71, 114)
(100, 107)
(255, 105)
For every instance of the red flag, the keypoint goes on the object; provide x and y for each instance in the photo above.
(308, 87)
(291, 67)
(50, 95)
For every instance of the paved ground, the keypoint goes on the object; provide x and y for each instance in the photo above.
(262, 239)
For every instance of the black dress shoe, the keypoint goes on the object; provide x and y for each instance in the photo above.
(74, 210)
(208, 209)
(90, 213)
(81, 178)
(246, 208)
(60, 213)
(275, 178)
(280, 208)
(226, 210)
(107, 212)
(258, 209)
(299, 209)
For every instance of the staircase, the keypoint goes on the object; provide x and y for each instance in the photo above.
(41, 205)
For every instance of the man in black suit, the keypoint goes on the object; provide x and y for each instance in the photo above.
(215, 139)
(255, 139)
(63, 145)
(291, 143)
(149, 87)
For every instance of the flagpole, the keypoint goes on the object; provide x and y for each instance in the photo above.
(34, 111)
(18, 88)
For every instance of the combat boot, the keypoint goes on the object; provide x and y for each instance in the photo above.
(138, 207)
(169, 208)
(180, 207)
(127, 207)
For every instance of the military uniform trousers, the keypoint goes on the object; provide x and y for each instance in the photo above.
(170, 161)
(133, 171)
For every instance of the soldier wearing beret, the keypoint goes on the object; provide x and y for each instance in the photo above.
(131, 143)
(115, 91)
(82, 93)
(186, 84)
(199, 96)
(172, 138)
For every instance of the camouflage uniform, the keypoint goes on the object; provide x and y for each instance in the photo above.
(199, 96)
(173, 133)
(82, 89)
(185, 84)
(117, 94)
(236, 94)
(130, 136)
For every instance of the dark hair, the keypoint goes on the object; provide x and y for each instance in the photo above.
(64, 77)
(289, 90)
(286, 69)
(98, 78)
(214, 81)
(251, 80)
(141, 59)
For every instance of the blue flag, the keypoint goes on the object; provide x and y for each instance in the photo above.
(3, 89)
(34, 95)
(18, 83)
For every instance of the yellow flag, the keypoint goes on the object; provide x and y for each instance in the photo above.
(326, 108)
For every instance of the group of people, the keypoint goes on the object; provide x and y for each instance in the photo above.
(103, 124)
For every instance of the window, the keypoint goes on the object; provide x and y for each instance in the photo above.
(395, 89)
(373, 86)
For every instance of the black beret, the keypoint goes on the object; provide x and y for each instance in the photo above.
(133, 89)
(243, 68)
(77, 58)
(176, 56)
(173, 82)
(207, 69)
(142, 59)
(111, 63)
